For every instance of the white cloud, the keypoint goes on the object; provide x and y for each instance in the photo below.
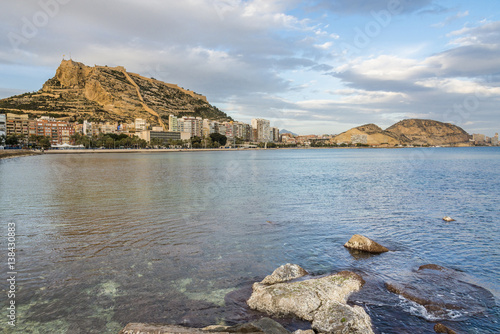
(460, 86)
(324, 46)
(487, 33)
(450, 19)
(359, 96)
(384, 67)
(246, 55)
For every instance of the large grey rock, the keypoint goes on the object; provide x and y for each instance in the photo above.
(323, 301)
(337, 317)
(285, 273)
(363, 243)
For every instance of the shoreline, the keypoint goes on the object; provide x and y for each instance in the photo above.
(167, 150)
(8, 154)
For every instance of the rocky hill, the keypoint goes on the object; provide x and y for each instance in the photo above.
(369, 134)
(102, 93)
(429, 132)
(417, 132)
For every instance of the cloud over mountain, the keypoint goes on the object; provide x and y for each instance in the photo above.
(257, 58)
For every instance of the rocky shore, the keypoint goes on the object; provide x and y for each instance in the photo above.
(323, 301)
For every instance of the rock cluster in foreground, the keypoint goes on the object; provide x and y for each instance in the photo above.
(322, 301)
(288, 291)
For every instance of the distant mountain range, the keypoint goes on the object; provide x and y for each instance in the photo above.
(102, 93)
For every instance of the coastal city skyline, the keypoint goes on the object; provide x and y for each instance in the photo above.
(25, 129)
(309, 67)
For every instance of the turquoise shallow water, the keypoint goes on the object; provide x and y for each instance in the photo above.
(107, 239)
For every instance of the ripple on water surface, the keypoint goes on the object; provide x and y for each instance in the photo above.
(108, 239)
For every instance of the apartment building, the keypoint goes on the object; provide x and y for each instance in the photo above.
(3, 125)
(192, 125)
(140, 124)
(59, 132)
(263, 130)
(173, 124)
(494, 140)
(17, 124)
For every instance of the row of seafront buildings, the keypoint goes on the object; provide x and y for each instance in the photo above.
(183, 128)
(14, 124)
(480, 139)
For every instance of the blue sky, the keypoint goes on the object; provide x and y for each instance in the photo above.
(317, 67)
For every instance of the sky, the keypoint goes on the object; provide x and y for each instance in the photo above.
(311, 67)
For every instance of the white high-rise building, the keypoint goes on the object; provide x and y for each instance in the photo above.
(494, 140)
(87, 127)
(263, 129)
(214, 127)
(205, 131)
(242, 131)
(3, 125)
(173, 124)
(140, 125)
(192, 125)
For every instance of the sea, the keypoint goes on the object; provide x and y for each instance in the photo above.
(102, 240)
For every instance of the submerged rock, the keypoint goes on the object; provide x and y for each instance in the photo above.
(431, 266)
(443, 293)
(261, 326)
(363, 243)
(264, 325)
(323, 301)
(440, 328)
(134, 328)
(285, 273)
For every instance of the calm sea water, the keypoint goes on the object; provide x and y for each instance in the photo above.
(107, 239)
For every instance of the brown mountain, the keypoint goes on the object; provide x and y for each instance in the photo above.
(102, 93)
(406, 132)
(429, 132)
(369, 134)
